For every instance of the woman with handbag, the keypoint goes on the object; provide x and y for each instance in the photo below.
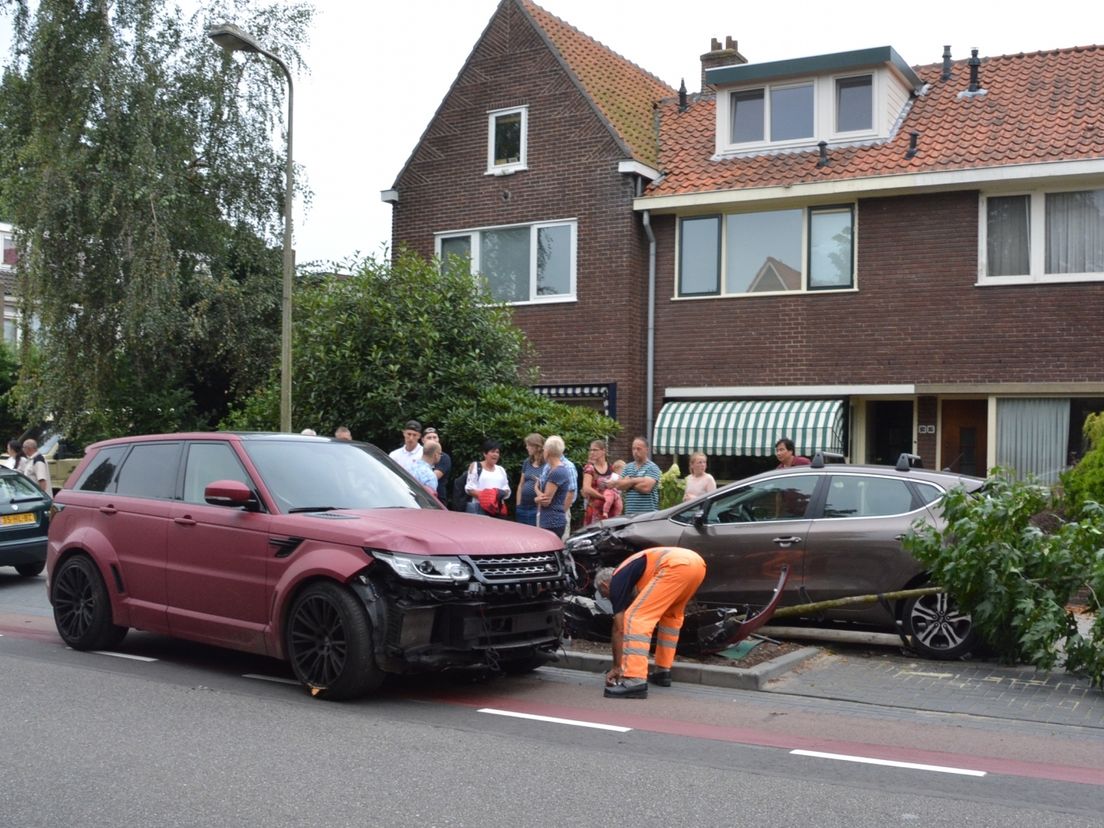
(488, 475)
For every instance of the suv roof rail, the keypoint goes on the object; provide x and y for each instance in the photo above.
(909, 461)
(822, 457)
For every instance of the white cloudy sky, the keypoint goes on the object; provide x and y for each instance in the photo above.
(379, 70)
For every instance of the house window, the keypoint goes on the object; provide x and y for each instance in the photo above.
(854, 103)
(768, 252)
(788, 109)
(522, 263)
(1043, 237)
(7, 240)
(506, 140)
(700, 256)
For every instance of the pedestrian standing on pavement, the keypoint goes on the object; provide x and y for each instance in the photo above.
(442, 467)
(787, 456)
(639, 481)
(552, 488)
(525, 510)
(15, 455)
(343, 433)
(649, 592)
(411, 449)
(35, 467)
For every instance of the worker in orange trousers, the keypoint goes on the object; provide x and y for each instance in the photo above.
(649, 592)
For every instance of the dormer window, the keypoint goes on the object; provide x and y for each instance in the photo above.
(855, 103)
(794, 104)
(506, 140)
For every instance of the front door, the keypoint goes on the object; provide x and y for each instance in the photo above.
(965, 437)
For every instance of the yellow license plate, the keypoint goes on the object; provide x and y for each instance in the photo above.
(9, 520)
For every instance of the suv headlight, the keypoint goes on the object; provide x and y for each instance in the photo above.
(437, 569)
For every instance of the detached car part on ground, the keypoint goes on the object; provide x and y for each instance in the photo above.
(838, 527)
(321, 552)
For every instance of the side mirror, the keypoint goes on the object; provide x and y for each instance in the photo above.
(231, 493)
(699, 519)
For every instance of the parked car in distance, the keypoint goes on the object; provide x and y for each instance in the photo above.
(838, 527)
(321, 552)
(24, 522)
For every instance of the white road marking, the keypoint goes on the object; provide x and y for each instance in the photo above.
(924, 675)
(276, 679)
(866, 760)
(123, 655)
(554, 720)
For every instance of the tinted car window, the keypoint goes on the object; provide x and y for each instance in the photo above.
(780, 498)
(858, 496)
(149, 471)
(309, 476)
(208, 462)
(99, 474)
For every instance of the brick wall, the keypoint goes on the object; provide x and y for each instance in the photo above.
(917, 316)
(572, 174)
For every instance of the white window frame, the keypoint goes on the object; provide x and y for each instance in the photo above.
(522, 162)
(824, 113)
(1036, 241)
(475, 234)
(806, 225)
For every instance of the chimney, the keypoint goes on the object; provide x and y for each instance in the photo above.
(946, 63)
(716, 56)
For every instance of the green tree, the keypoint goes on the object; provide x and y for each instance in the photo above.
(1085, 481)
(1013, 561)
(11, 424)
(138, 163)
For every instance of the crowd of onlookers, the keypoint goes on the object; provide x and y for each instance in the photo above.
(25, 459)
(548, 483)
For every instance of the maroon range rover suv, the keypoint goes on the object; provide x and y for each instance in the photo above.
(321, 552)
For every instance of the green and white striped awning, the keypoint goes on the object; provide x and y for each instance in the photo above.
(748, 427)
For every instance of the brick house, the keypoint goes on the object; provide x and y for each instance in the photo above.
(869, 256)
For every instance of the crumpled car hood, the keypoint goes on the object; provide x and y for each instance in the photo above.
(421, 532)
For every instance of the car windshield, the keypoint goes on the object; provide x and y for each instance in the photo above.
(15, 488)
(310, 476)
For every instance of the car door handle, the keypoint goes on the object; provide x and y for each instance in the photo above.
(790, 541)
(184, 521)
(108, 510)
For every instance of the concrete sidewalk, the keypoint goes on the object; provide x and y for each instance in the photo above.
(892, 678)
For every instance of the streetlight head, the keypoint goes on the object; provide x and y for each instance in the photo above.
(233, 39)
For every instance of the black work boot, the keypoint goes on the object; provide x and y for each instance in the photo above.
(660, 678)
(631, 688)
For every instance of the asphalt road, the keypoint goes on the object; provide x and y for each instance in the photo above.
(170, 733)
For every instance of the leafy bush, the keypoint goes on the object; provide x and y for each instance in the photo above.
(1013, 561)
(672, 487)
(1085, 481)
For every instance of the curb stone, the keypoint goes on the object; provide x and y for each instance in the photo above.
(736, 678)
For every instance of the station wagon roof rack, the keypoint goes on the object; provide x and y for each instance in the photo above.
(823, 457)
(909, 461)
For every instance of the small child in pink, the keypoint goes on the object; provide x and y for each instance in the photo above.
(612, 507)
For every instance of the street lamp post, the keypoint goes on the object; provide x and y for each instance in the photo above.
(233, 39)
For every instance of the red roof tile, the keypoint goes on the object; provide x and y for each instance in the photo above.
(623, 93)
(1040, 107)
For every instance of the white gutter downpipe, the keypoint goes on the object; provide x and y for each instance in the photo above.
(649, 395)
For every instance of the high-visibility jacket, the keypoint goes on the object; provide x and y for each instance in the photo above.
(668, 578)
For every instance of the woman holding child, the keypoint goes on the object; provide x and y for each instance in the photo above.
(601, 502)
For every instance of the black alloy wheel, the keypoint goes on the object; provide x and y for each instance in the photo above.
(937, 628)
(329, 643)
(82, 607)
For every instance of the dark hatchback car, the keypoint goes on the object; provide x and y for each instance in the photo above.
(838, 527)
(321, 552)
(24, 521)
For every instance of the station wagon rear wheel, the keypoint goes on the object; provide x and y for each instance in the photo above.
(937, 628)
(82, 607)
(329, 643)
(31, 569)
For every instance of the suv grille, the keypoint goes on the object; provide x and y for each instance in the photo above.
(504, 569)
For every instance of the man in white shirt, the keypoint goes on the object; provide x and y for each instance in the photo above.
(34, 466)
(411, 449)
